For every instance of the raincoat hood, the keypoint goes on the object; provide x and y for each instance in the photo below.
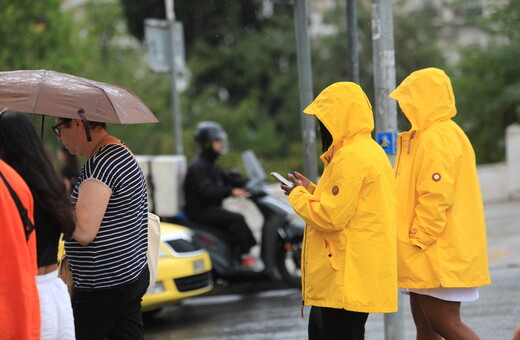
(344, 109)
(426, 96)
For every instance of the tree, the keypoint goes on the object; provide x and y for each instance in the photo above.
(243, 74)
(34, 35)
(415, 44)
(249, 76)
(487, 84)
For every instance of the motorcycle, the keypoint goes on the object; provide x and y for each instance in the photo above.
(281, 235)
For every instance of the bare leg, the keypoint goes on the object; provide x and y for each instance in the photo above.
(424, 331)
(444, 318)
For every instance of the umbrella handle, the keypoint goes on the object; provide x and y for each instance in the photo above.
(81, 113)
(41, 129)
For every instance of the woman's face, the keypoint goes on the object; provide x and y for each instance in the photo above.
(67, 135)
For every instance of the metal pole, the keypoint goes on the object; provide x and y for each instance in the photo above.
(176, 107)
(353, 57)
(303, 57)
(386, 112)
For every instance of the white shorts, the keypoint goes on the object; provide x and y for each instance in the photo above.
(57, 320)
(447, 294)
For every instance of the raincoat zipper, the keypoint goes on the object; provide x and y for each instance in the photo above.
(303, 271)
(410, 140)
(399, 158)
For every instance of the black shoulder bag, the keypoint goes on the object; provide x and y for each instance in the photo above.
(27, 224)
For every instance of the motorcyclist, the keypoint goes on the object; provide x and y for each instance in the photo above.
(207, 185)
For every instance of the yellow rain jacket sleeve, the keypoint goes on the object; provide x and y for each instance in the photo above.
(441, 228)
(349, 248)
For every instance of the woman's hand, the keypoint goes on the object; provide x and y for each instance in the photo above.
(297, 179)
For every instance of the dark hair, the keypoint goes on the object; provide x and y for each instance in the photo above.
(71, 161)
(326, 137)
(22, 149)
(91, 125)
(70, 168)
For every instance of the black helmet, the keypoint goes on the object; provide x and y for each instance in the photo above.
(207, 132)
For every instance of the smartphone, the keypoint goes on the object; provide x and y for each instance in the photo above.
(281, 179)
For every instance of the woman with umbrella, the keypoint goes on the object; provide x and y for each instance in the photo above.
(107, 252)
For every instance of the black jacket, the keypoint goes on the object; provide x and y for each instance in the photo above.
(206, 185)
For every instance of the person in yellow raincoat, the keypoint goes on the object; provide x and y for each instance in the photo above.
(441, 232)
(349, 249)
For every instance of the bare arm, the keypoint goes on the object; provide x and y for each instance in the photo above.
(91, 207)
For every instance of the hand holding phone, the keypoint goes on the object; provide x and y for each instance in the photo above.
(281, 179)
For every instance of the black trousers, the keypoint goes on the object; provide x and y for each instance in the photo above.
(232, 225)
(113, 313)
(335, 324)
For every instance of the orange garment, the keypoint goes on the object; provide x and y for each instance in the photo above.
(19, 302)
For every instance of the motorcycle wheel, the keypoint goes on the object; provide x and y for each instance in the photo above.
(289, 261)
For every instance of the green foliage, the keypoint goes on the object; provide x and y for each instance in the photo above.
(487, 84)
(244, 72)
(416, 38)
(34, 34)
(88, 41)
(246, 80)
(487, 88)
(415, 44)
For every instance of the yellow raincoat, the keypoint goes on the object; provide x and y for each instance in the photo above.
(441, 229)
(349, 249)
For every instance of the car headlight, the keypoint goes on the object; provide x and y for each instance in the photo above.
(157, 288)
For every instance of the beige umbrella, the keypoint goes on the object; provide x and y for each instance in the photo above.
(56, 94)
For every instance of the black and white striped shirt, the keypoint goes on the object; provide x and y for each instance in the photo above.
(117, 254)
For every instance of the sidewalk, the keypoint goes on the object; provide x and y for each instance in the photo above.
(503, 228)
(496, 313)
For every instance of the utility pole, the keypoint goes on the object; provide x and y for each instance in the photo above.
(176, 107)
(303, 59)
(386, 115)
(352, 42)
(303, 55)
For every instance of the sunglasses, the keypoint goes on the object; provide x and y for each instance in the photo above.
(56, 128)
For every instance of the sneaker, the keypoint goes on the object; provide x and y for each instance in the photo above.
(253, 263)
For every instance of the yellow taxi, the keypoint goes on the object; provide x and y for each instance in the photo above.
(184, 269)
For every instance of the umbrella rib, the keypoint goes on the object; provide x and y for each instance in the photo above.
(39, 88)
(109, 100)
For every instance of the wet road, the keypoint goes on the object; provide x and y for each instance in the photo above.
(275, 314)
(264, 311)
(251, 314)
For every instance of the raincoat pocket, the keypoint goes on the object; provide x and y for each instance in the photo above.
(332, 254)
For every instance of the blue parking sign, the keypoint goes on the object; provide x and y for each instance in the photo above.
(388, 141)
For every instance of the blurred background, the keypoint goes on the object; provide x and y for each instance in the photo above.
(241, 68)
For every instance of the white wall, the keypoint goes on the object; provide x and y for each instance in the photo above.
(501, 181)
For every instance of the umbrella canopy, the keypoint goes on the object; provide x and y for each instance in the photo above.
(56, 94)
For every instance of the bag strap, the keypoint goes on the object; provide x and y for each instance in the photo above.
(28, 225)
